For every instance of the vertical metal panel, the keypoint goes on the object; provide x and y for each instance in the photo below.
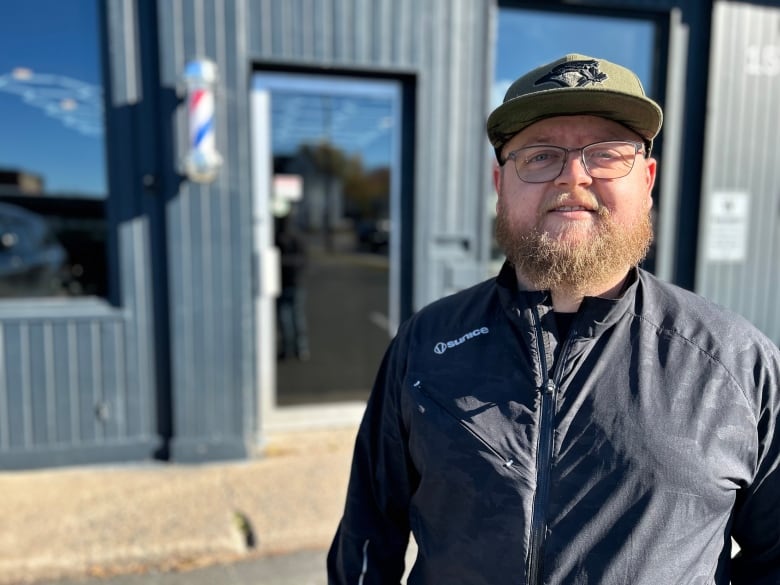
(5, 431)
(38, 390)
(674, 122)
(125, 76)
(741, 159)
(56, 393)
(139, 341)
(14, 338)
(209, 241)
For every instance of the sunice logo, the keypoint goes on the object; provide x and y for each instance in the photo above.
(443, 346)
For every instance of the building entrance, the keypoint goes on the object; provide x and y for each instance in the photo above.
(329, 207)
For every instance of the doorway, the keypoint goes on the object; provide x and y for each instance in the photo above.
(327, 206)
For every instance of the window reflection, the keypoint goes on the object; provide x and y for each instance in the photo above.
(333, 147)
(52, 156)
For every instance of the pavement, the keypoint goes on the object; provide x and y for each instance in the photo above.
(263, 521)
(298, 568)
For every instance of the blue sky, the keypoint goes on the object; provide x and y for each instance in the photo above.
(50, 95)
(358, 116)
(529, 38)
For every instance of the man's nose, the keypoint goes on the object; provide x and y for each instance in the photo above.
(574, 171)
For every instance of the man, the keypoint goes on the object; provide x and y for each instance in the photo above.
(574, 420)
(291, 303)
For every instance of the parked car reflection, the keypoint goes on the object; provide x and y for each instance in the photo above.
(374, 235)
(31, 258)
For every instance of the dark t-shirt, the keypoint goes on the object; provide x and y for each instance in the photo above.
(563, 323)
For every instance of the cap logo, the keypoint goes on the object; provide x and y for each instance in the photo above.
(574, 74)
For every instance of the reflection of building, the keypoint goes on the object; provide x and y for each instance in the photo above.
(20, 182)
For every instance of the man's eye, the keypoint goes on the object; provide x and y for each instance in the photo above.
(541, 157)
(605, 154)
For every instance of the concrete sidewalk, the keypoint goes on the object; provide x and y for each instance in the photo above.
(104, 521)
(298, 568)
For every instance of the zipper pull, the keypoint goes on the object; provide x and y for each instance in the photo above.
(550, 386)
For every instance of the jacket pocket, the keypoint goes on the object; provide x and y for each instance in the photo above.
(457, 426)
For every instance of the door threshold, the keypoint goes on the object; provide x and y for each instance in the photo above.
(304, 417)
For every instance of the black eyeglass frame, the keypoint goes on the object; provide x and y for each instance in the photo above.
(639, 147)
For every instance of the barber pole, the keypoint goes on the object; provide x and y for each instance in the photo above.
(202, 161)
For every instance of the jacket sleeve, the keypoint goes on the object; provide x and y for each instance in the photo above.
(370, 544)
(756, 527)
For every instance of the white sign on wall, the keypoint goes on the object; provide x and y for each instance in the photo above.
(762, 60)
(727, 229)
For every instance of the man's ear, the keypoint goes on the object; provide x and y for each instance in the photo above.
(497, 177)
(651, 167)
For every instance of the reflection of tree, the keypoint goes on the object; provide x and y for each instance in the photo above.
(326, 157)
(366, 191)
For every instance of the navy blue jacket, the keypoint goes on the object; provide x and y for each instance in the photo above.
(628, 452)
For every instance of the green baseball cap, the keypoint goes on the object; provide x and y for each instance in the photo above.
(575, 85)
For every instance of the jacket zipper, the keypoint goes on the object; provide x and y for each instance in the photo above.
(507, 462)
(543, 460)
(543, 457)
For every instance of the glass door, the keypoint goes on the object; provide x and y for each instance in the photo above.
(333, 218)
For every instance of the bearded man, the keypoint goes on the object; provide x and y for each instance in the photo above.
(574, 420)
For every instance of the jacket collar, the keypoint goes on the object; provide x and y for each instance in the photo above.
(595, 314)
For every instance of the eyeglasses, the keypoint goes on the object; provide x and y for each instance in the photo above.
(601, 160)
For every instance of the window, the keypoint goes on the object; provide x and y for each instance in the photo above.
(52, 154)
(529, 38)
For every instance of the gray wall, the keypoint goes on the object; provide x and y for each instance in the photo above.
(72, 387)
(739, 247)
(444, 43)
(209, 241)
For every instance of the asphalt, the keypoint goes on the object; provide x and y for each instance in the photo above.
(264, 521)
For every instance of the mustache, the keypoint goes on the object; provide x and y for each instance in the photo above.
(584, 199)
